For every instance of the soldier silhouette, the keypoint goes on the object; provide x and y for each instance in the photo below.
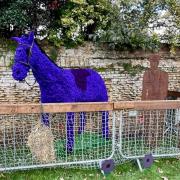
(155, 87)
(155, 81)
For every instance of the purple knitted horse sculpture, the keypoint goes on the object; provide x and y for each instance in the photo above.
(58, 85)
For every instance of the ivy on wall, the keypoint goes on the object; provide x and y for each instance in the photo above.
(132, 70)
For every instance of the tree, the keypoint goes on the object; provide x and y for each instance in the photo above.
(122, 23)
(135, 24)
(16, 16)
(13, 15)
(78, 20)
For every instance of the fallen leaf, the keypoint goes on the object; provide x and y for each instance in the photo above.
(164, 178)
(159, 170)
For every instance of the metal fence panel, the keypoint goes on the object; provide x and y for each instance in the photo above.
(25, 143)
(155, 132)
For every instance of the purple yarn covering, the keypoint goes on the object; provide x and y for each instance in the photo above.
(80, 76)
(148, 160)
(20, 72)
(58, 85)
(107, 166)
(82, 122)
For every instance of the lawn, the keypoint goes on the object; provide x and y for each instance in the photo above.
(166, 169)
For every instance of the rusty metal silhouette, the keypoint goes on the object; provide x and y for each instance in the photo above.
(155, 87)
(155, 81)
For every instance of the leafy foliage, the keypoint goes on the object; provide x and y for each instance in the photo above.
(172, 23)
(78, 20)
(12, 13)
(132, 70)
(16, 16)
(133, 24)
(53, 53)
(124, 24)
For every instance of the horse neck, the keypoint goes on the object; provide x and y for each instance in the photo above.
(43, 68)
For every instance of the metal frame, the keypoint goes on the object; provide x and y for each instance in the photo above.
(147, 106)
(12, 109)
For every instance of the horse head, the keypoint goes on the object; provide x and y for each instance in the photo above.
(21, 64)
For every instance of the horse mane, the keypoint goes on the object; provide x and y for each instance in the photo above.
(43, 52)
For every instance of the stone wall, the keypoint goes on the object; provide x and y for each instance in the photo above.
(109, 63)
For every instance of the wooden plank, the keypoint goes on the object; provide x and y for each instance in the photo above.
(147, 105)
(87, 107)
(55, 107)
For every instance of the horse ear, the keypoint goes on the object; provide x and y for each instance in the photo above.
(16, 39)
(31, 37)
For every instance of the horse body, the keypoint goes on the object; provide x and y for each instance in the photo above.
(60, 85)
(66, 85)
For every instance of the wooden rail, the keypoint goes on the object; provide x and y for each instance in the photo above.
(87, 107)
(55, 107)
(147, 105)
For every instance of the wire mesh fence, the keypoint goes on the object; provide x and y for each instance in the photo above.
(87, 134)
(154, 131)
(25, 142)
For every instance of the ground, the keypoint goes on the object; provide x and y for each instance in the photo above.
(164, 169)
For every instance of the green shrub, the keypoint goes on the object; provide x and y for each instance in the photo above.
(78, 20)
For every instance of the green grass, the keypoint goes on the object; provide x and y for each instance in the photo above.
(86, 146)
(89, 145)
(168, 168)
(162, 168)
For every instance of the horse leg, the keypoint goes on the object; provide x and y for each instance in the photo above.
(82, 122)
(70, 131)
(105, 128)
(45, 119)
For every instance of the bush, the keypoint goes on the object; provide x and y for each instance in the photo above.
(78, 20)
(18, 16)
(133, 23)
(126, 24)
